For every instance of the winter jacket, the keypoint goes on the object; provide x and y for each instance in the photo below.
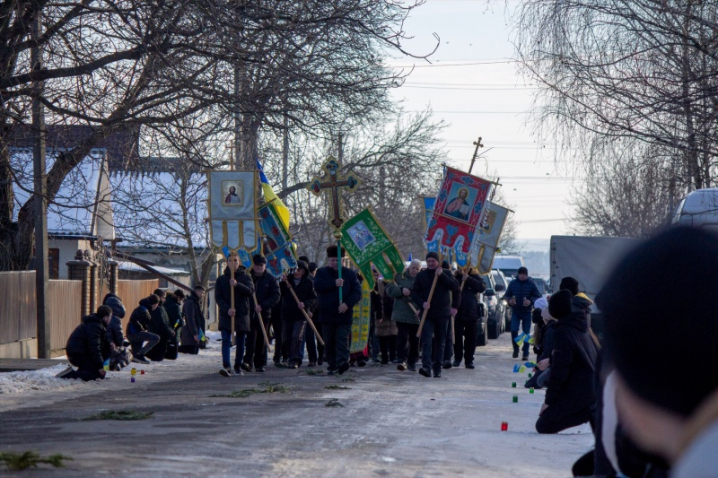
(581, 304)
(446, 294)
(519, 289)
(305, 293)
(573, 365)
(160, 323)
(402, 311)
(383, 325)
(267, 292)
(548, 333)
(243, 292)
(174, 312)
(140, 318)
(469, 308)
(114, 330)
(193, 317)
(88, 347)
(328, 294)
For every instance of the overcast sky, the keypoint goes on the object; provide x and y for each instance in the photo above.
(474, 85)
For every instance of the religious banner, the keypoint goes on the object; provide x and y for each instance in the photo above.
(427, 203)
(459, 208)
(367, 243)
(484, 258)
(277, 241)
(232, 210)
(362, 317)
(492, 225)
(331, 182)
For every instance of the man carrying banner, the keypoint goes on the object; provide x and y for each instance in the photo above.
(439, 308)
(242, 288)
(406, 317)
(467, 317)
(292, 305)
(336, 316)
(266, 296)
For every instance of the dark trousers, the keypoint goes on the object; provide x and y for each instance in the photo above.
(387, 345)
(521, 320)
(407, 343)
(336, 338)
(277, 326)
(433, 341)
(294, 337)
(315, 349)
(240, 339)
(555, 419)
(136, 340)
(256, 352)
(85, 371)
(465, 345)
(374, 346)
(189, 349)
(449, 343)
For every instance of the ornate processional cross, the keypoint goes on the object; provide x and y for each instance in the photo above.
(330, 183)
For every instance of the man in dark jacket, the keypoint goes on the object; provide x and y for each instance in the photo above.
(336, 316)
(315, 349)
(137, 329)
(292, 311)
(467, 317)
(266, 296)
(88, 347)
(120, 357)
(192, 309)
(521, 294)
(570, 394)
(160, 325)
(444, 303)
(173, 307)
(242, 288)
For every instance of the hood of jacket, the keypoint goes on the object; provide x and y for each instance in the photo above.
(146, 304)
(575, 322)
(582, 301)
(114, 303)
(171, 299)
(93, 319)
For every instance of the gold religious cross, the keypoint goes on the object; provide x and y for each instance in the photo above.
(476, 153)
(331, 182)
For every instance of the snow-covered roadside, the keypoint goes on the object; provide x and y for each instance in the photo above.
(32, 388)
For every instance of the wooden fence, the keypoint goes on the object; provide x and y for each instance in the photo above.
(18, 311)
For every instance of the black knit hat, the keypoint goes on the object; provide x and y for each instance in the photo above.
(332, 251)
(432, 255)
(303, 265)
(559, 305)
(259, 260)
(304, 258)
(312, 266)
(522, 270)
(664, 347)
(569, 283)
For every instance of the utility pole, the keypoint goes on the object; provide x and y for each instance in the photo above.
(40, 202)
(285, 153)
(237, 123)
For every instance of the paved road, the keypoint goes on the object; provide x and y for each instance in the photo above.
(391, 423)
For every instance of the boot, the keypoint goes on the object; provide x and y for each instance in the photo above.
(513, 342)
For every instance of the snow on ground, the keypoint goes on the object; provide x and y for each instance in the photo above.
(31, 388)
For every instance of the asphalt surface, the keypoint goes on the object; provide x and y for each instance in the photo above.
(389, 423)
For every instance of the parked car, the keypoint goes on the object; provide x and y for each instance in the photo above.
(542, 285)
(509, 265)
(482, 328)
(698, 209)
(495, 308)
(502, 283)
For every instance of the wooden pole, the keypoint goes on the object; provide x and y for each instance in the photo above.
(306, 316)
(261, 322)
(231, 291)
(431, 295)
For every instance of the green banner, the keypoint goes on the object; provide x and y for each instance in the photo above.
(367, 243)
(362, 317)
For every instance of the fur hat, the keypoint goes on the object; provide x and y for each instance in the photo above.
(333, 252)
(663, 348)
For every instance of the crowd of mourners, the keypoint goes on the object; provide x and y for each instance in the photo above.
(647, 389)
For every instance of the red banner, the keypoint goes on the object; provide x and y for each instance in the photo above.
(458, 209)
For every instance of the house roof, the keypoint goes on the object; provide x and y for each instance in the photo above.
(131, 266)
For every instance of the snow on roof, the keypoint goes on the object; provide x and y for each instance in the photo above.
(82, 206)
(131, 266)
(148, 208)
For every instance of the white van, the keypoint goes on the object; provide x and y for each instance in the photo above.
(509, 265)
(698, 209)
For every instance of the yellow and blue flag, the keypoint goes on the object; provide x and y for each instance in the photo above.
(271, 197)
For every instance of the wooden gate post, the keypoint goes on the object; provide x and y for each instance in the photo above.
(79, 269)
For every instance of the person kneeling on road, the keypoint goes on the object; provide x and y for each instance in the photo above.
(88, 347)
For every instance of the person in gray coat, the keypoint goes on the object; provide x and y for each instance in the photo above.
(405, 314)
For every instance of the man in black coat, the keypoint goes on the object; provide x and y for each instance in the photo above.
(467, 317)
(242, 287)
(336, 316)
(120, 356)
(88, 347)
(570, 394)
(315, 349)
(267, 296)
(137, 329)
(160, 325)
(303, 287)
(444, 303)
(192, 310)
